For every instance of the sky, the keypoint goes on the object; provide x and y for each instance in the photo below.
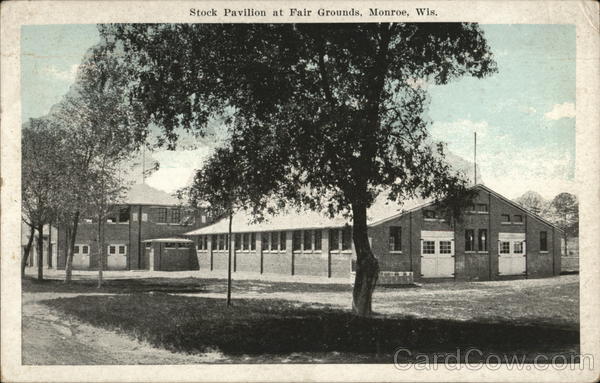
(524, 115)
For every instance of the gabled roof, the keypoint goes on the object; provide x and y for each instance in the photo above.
(142, 194)
(382, 211)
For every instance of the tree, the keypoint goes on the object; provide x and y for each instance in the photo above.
(42, 174)
(328, 115)
(534, 202)
(100, 137)
(564, 211)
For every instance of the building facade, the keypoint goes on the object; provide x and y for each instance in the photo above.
(147, 213)
(494, 239)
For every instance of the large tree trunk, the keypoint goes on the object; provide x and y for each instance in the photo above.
(367, 267)
(229, 260)
(70, 248)
(40, 249)
(27, 250)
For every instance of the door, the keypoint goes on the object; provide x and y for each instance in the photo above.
(437, 254)
(512, 254)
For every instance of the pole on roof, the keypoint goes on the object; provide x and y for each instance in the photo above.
(229, 243)
(475, 159)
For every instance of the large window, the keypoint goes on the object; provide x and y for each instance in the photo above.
(428, 247)
(297, 240)
(543, 241)
(175, 215)
(307, 240)
(317, 236)
(469, 240)
(334, 239)
(238, 241)
(282, 240)
(246, 241)
(161, 215)
(124, 214)
(274, 240)
(482, 240)
(264, 240)
(395, 238)
(253, 241)
(346, 238)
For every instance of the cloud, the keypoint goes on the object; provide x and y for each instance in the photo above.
(564, 110)
(63, 75)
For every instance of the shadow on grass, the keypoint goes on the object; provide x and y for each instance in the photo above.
(258, 327)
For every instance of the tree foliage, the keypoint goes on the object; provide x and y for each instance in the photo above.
(326, 116)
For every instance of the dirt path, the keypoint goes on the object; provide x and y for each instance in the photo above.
(51, 338)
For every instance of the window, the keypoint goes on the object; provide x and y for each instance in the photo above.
(214, 242)
(238, 241)
(469, 240)
(482, 240)
(307, 240)
(518, 247)
(124, 214)
(112, 249)
(85, 249)
(170, 245)
(175, 215)
(161, 215)
(504, 247)
(428, 247)
(264, 238)
(505, 218)
(122, 249)
(282, 239)
(445, 247)
(346, 238)
(76, 249)
(274, 241)
(203, 218)
(518, 218)
(226, 240)
(429, 214)
(543, 241)
(395, 240)
(148, 245)
(253, 241)
(334, 239)
(246, 241)
(317, 236)
(221, 242)
(482, 207)
(297, 240)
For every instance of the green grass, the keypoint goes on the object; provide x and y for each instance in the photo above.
(276, 327)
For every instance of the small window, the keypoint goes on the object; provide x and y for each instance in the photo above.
(505, 218)
(445, 247)
(246, 241)
(122, 249)
(253, 241)
(346, 238)
(282, 240)
(482, 207)
(518, 218)
(112, 249)
(317, 237)
(264, 238)
(274, 241)
(161, 215)
(297, 240)
(395, 238)
(170, 245)
(238, 241)
(543, 241)
(124, 214)
(308, 240)
(504, 247)
(334, 239)
(148, 245)
(85, 249)
(518, 247)
(429, 214)
(428, 247)
(482, 240)
(469, 240)
(76, 249)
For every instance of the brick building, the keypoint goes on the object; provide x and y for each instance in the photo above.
(495, 239)
(146, 213)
